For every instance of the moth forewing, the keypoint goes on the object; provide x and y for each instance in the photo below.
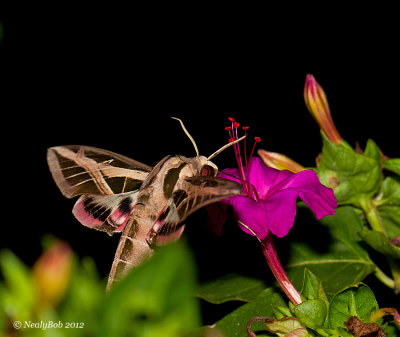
(83, 169)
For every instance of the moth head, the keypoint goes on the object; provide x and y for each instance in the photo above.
(201, 165)
(206, 168)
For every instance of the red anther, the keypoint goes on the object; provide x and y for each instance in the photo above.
(228, 128)
(231, 140)
(236, 125)
(231, 119)
(245, 128)
(257, 139)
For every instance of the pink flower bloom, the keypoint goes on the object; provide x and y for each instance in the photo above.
(268, 202)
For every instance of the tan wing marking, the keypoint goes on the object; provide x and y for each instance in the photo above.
(90, 166)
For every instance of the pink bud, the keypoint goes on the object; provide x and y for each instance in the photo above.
(51, 273)
(317, 104)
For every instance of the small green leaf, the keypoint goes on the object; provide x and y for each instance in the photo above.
(380, 242)
(311, 313)
(390, 216)
(234, 324)
(231, 288)
(392, 165)
(19, 284)
(391, 191)
(372, 150)
(312, 287)
(391, 329)
(352, 175)
(388, 203)
(281, 312)
(356, 301)
(284, 326)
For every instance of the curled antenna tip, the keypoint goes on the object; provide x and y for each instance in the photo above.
(188, 134)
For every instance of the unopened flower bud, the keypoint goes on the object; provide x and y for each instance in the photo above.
(279, 161)
(317, 104)
(51, 273)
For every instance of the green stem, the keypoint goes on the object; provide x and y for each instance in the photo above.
(386, 280)
(395, 267)
(375, 221)
(372, 214)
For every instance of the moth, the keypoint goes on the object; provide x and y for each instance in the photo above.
(146, 204)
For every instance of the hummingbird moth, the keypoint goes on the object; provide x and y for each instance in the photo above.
(147, 204)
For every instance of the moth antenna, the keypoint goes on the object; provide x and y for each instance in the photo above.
(225, 147)
(188, 134)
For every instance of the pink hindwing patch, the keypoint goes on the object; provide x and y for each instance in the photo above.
(107, 213)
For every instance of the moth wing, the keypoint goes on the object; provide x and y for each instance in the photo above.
(194, 193)
(107, 213)
(80, 170)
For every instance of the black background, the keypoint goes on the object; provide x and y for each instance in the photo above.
(112, 77)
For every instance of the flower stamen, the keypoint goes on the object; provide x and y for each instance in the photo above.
(243, 169)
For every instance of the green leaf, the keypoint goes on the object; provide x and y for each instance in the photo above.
(352, 175)
(20, 287)
(231, 288)
(312, 287)
(391, 191)
(345, 261)
(234, 324)
(84, 297)
(356, 301)
(391, 329)
(388, 203)
(372, 150)
(155, 299)
(392, 165)
(281, 312)
(311, 313)
(390, 216)
(380, 242)
(288, 325)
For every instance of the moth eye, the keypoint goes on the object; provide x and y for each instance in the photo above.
(207, 171)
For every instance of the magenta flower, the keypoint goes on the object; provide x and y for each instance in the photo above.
(269, 203)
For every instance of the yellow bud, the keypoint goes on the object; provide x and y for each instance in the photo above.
(279, 161)
(317, 104)
(51, 273)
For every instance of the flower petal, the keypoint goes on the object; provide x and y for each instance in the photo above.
(262, 177)
(277, 192)
(253, 214)
(269, 181)
(322, 204)
(320, 199)
(281, 211)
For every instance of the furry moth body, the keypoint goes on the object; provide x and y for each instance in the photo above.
(148, 205)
